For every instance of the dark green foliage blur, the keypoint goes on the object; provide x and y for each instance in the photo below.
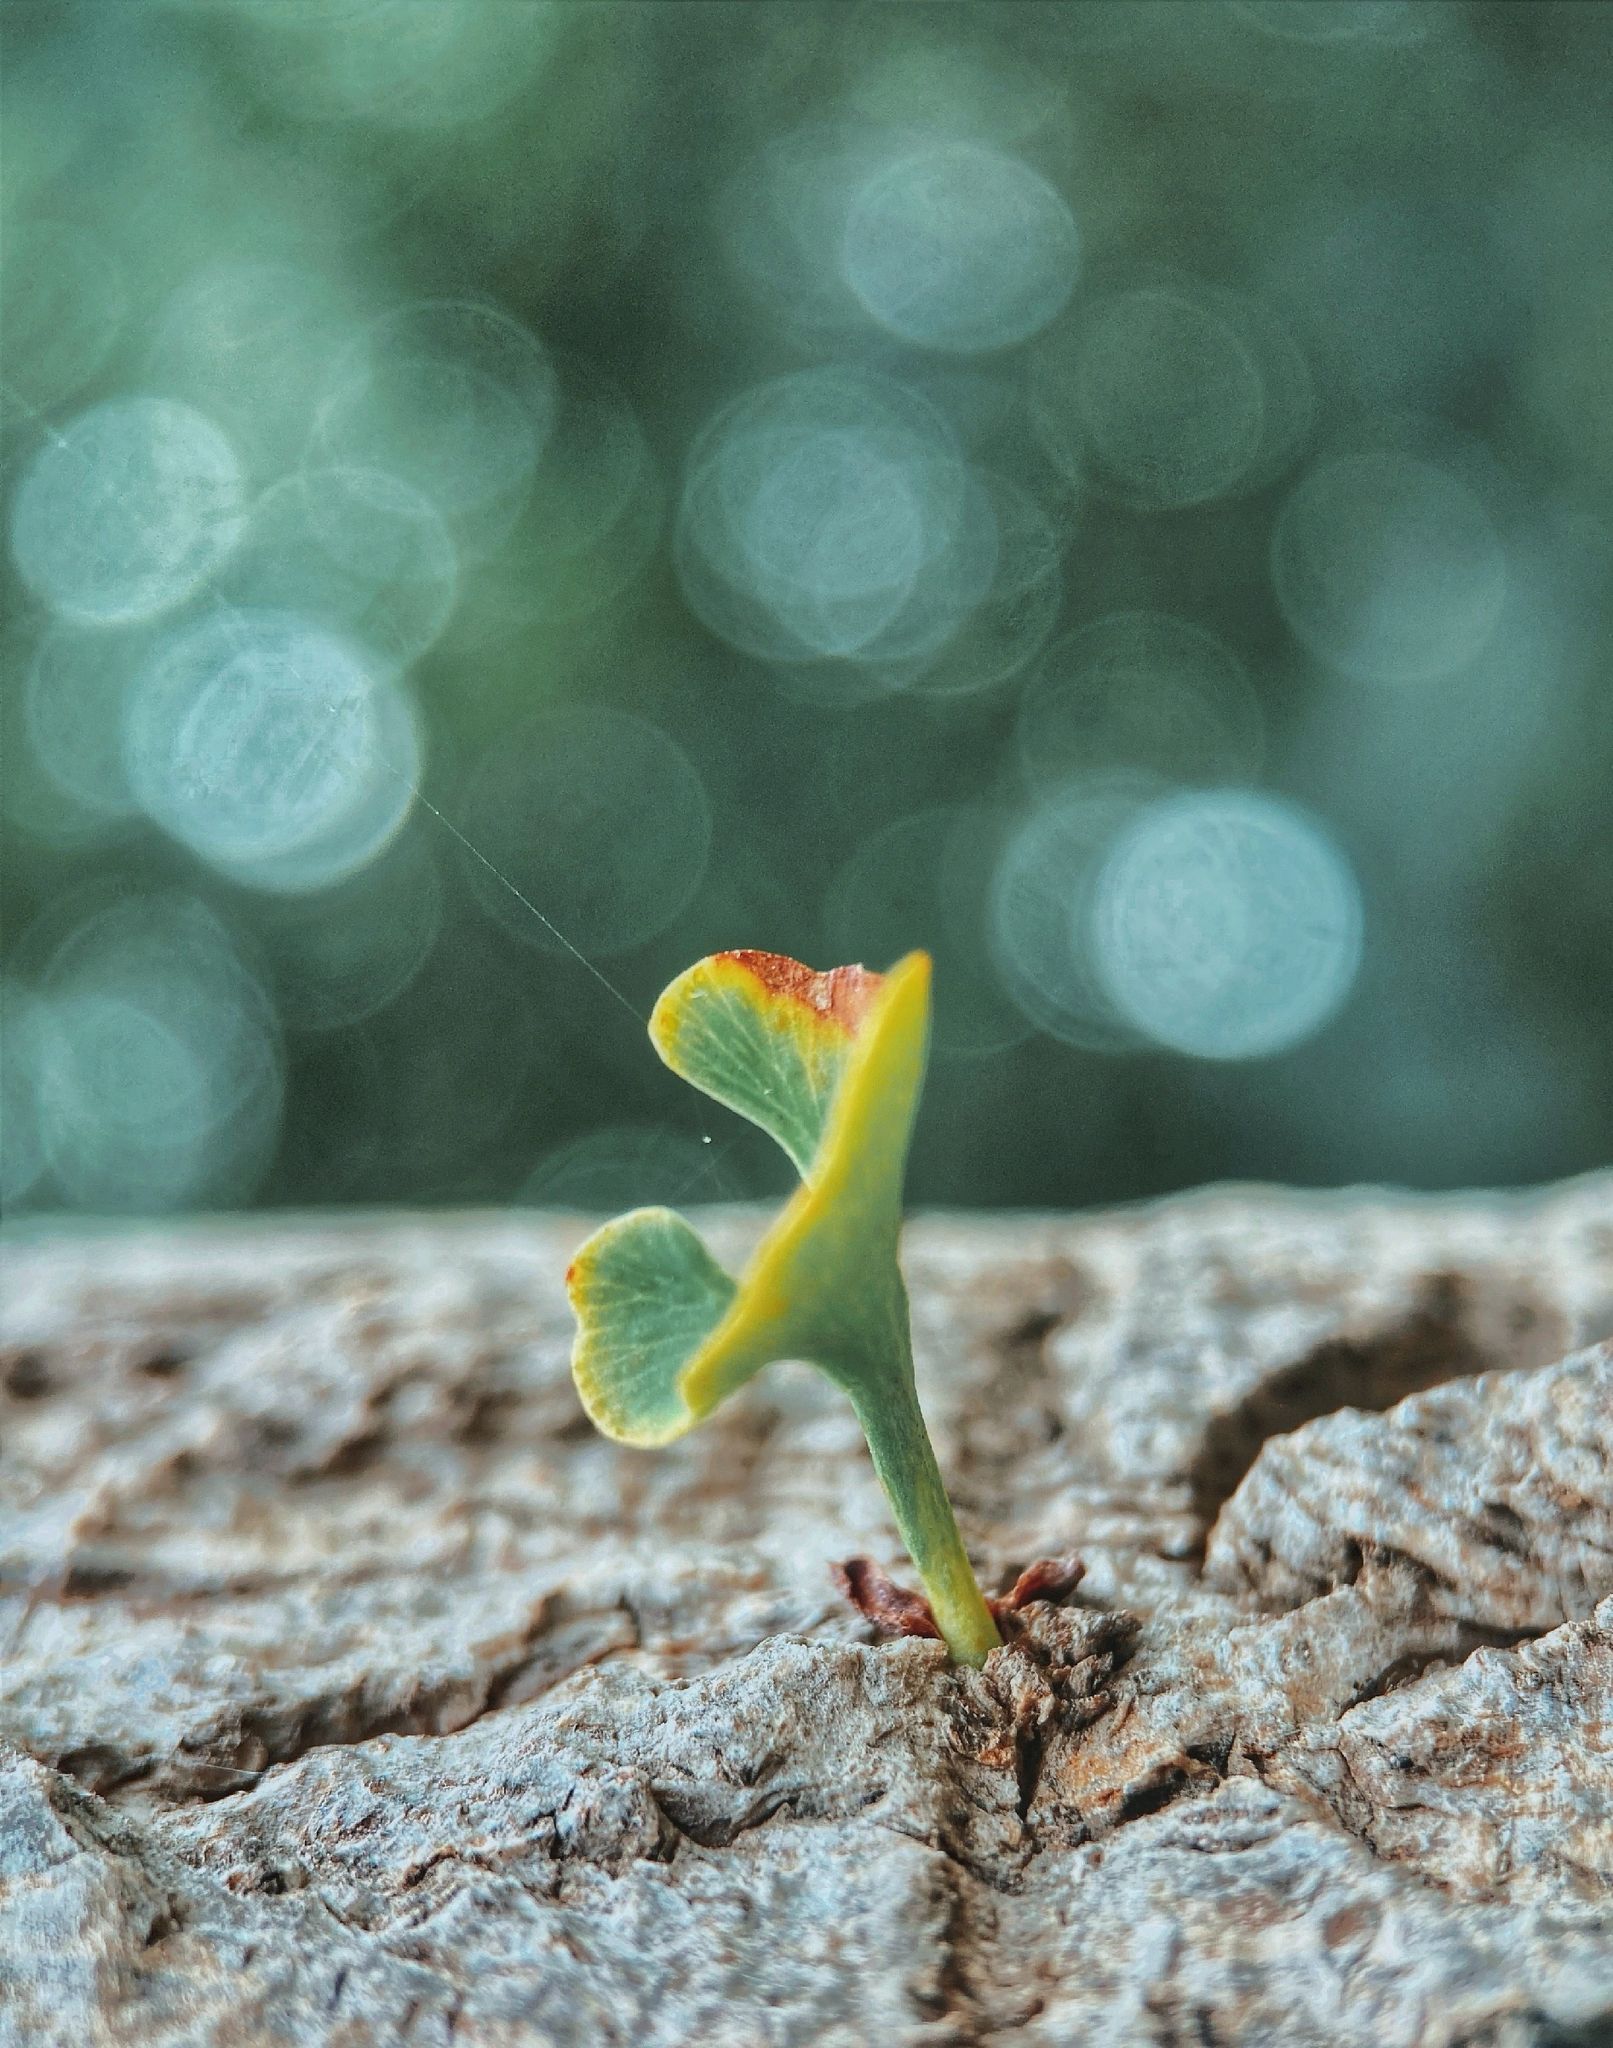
(502, 499)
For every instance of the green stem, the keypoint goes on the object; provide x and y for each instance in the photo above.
(888, 1408)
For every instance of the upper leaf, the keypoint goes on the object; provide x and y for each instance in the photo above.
(831, 1065)
(766, 1036)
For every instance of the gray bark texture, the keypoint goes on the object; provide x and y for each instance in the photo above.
(353, 1690)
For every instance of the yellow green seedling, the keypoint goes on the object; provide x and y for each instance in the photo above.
(830, 1065)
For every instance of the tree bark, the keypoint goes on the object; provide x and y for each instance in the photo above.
(352, 1690)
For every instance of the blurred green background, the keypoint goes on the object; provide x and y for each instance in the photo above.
(502, 499)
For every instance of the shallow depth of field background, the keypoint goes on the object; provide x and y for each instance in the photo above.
(1118, 494)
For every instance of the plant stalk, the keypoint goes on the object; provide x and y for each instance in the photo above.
(888, 1409)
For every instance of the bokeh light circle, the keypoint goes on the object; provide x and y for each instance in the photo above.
(1226, 924)
(957, 88)
(356, 551)
(783, 222)
(162, 1079)
(1388, 567)
(409, 64)
(127, 511)
(278, 752)
(830, 516)
(959, 247)
(1170, 398)
(454, 397)
(1139, 690)
(1040, 909)
(923, 880)
(1168, 392)
(827, 509)
(248, 342)
(1013, 617)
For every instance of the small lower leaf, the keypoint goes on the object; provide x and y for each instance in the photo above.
(647, 1295)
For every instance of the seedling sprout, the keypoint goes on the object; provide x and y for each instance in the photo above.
(831, 1066)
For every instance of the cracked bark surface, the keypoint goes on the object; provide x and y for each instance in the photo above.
(352, 1690)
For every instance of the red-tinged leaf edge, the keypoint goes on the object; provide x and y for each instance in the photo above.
(840, 995)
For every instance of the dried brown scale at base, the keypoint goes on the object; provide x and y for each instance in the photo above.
(894, 1610)
(897, 1611)
(1344, 1782)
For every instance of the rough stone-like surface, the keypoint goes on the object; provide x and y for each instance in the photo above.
(353, 1691)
